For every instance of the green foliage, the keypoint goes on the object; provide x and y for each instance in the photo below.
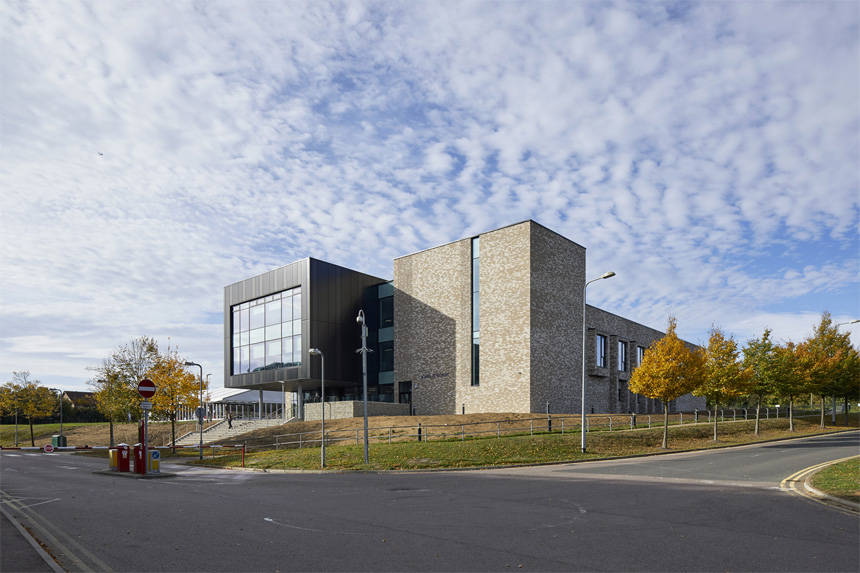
(827, 361)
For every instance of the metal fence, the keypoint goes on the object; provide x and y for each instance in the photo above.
(557, 424)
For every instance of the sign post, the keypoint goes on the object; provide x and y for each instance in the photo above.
(146, 389)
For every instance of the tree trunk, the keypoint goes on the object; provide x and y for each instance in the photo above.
(32, 439)
(791, 414)
(173, 430)
(110, 423)
(822, 411)
(665, 426)
(846, 410)
(757, 415)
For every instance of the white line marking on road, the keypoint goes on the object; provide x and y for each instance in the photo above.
(272, 521)
(41, 503)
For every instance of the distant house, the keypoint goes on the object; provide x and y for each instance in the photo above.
(80, 400)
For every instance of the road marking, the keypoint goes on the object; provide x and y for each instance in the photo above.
(38, 523)
(273, 522)
(40, 503)
(796, 482)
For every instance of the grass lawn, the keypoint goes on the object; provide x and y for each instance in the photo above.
(540, 448)
(840, 480)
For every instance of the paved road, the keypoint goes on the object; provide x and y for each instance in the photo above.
(688, 512)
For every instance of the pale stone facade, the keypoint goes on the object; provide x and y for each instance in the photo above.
(530, 292)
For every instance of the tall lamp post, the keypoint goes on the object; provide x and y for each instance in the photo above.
(318, 352)
(200, 409)
(608, 275)
(364, 350)
(60, 394)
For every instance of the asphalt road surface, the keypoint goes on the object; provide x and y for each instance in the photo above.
(710, 511)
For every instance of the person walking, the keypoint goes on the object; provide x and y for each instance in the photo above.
(229, 420)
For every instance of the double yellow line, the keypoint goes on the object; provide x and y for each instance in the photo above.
(796, 483)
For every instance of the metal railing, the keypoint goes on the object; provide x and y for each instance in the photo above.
(556, 424)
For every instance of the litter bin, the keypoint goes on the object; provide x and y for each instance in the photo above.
(119, 458)
(58, 441)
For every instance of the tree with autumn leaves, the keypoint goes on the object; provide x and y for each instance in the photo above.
(116, 379)
(669, 370)
(28, 397)
(723, 374)
(828, 363)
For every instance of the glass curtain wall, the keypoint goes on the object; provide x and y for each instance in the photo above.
(267, 332)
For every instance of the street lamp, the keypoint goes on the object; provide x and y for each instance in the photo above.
(608, 275)
(844, 323)
(318, 352)
(364, 350)
(200, 410)
(60, 394)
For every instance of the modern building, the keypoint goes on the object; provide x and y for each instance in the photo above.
(491, 323)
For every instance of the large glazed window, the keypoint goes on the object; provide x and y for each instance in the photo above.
(267, 332)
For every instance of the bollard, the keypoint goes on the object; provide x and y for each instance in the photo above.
(419, 431)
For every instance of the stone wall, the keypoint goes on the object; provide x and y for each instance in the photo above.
(432, 325)
(354, 409)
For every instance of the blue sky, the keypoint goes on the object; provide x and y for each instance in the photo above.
(154, 152)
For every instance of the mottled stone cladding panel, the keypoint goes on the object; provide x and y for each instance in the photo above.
(432, 324)
(557, 278)
(354, 409)
(504, 324)
(603, 384)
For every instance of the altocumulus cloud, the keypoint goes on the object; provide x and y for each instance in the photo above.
(154, 152)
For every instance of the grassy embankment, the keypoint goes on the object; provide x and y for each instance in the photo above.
(840, 480)
(539, 448)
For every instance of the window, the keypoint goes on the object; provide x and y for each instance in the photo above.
(386, 312)
(600, 355)
(476, 335)
(622, 356)
(640, 350)
(386, 356)
(267, 332)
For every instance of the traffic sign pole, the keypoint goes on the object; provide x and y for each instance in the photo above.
(146, 389)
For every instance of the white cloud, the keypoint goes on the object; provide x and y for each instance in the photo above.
(703, 155)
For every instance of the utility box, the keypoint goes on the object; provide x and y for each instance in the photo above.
(58, 441)
(139, 466)
(119, 458)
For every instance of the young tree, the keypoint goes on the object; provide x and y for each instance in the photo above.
(758, 360)
(176, 387)
(10, 403)
(34, 400)
(787, 378)
(116, 379)
(669, 370)
(724, 375)
(821, 357)
(847, 383)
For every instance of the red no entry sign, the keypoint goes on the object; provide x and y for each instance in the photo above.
(146, 388)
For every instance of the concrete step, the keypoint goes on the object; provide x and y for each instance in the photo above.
(220, 431)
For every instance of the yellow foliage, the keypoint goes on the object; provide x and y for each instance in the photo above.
(669, 369)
